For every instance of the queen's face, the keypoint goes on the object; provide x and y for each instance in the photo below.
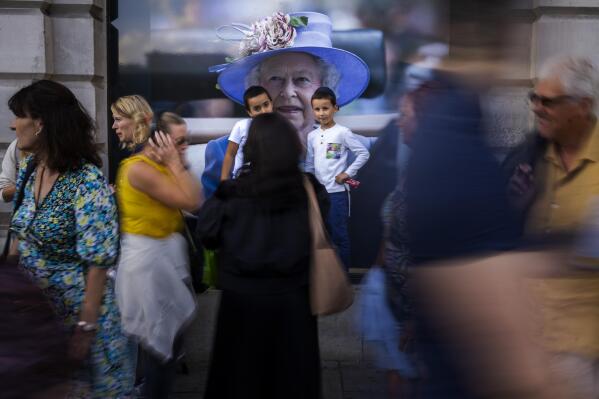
(291, 79)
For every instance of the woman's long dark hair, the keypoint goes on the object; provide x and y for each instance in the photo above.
(67, 138)
(272, 155)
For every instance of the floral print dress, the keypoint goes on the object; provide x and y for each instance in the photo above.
(75, 227)
(397, 258)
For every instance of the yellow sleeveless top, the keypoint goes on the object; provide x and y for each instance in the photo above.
(140, 213)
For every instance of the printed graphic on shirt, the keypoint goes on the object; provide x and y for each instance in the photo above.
(333, 151)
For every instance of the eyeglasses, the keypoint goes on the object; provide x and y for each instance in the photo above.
(549, 102)
(182, 141)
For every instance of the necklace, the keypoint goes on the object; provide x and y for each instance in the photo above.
(39, 188)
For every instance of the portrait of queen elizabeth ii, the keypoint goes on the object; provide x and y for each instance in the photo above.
(291, 55)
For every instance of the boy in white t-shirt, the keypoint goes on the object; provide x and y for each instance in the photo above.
(257, 101)
(327, 150)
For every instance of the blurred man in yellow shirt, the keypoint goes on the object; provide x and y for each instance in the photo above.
(556, 188)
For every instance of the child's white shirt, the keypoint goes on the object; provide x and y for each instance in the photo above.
(326, 155)
(239, 136)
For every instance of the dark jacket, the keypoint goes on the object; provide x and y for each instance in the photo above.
(214, 156)
(456, 199)
(263, 241)
(528, 152)
(378, 178)
(456, 207)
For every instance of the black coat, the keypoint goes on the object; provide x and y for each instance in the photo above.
(263, 241)
(378, 177)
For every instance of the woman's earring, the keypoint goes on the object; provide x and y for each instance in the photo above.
(37, 133)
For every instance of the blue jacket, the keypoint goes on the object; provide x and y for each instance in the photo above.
(215, 154)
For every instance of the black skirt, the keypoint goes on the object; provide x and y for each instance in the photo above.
(265, 346)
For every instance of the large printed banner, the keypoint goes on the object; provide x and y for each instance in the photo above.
(166, 47)
(196, 58)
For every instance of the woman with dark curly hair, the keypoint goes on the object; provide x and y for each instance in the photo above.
(67, 232)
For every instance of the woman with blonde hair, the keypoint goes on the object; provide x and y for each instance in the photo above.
(132, 119)
(153, 283)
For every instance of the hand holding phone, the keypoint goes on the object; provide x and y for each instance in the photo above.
(521, 187)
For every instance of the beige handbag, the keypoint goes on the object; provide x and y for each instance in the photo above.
(330, 290)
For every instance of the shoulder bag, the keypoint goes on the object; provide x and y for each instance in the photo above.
(330, 290)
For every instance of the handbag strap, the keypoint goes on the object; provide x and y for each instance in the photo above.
(18, 201)
(319, 236)
(188, 235)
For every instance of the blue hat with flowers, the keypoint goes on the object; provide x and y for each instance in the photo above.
(302, 32)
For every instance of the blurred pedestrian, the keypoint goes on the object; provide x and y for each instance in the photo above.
(266, 340)
(67, 232)
(473, 322)
(388, 156)
(34, 360)
(153, 283)
(555, 182)
(395, 259)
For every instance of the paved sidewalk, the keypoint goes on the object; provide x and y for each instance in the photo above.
(347, 370)
(340, 381)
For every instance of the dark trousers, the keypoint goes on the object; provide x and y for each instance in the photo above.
(160, 375)
(337, 225)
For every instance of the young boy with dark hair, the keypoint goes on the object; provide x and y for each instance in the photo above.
(327, 151)
(257, 101)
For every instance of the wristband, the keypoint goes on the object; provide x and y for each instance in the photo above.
(86, 327)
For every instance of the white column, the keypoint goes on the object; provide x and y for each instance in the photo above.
(63, 40)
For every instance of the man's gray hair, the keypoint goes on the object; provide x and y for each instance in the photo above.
(578, 75)
(329, 75)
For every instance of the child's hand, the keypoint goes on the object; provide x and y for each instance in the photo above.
(341, 178)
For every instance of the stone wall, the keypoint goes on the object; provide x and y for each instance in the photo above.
(62, 40)
(542, 29)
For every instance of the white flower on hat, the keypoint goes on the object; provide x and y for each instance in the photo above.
(271, 33)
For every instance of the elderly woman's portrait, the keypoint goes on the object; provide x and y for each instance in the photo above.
(202, 56)
(291, 79)
(300, 59)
